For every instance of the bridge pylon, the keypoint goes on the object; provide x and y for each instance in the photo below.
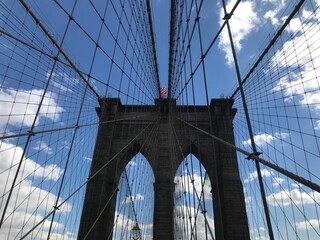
(119, 140)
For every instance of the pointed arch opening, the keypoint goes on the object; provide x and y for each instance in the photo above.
(193, 201)
(135, 201)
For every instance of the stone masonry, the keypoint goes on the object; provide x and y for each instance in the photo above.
(119, 141)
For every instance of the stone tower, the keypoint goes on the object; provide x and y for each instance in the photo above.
(119, 140)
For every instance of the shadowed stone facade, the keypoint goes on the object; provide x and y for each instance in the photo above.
(165, 141)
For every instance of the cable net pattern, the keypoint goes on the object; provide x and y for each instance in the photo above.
(57, 66)
(282, 95)
(49, 92)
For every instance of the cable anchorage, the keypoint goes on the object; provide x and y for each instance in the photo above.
(227, 16)
(251, 155)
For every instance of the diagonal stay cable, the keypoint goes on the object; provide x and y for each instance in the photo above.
(34, 120)
(252, 156)
(245, 106)
(55, 43)
(100, 214)
(2, 31)
(270, 45)
(200, 206)
(153, 45)
(66, 166)
(73, 126)
(4, 194)
(89, 179)
(131, 199)
(202, 58)
(194, 188)
(173, 19)
(79, 71)
(146, 141)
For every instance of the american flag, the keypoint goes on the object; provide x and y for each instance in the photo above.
(163, 92)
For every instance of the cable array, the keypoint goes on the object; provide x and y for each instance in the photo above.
(281, 91)
(281, 94)
(135, 197)
(57, 67)
(48, 99)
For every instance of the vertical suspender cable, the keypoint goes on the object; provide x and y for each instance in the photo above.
(35, 118)
(254, 148)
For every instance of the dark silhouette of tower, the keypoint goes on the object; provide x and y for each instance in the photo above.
(119, 141)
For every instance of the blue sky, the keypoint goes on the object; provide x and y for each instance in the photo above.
(283, 96)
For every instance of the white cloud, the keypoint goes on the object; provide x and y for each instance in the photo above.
(260, 139)
(183, 184)
(295, 52)
(301, 56)
(243, 22)
(287, 197)
(61, 87)
(272, 14)
(248, 200)
(262, 229)
(317, 125)
(265, 173)
(43, 146)
(10, 155)
(93, 84)
(305, 86)
(29, 203)
(63, 81)
(132, 163)
(184, 212)
(65, 145)
(67, 235)
(277, 181)
(125, 222)
(262, 238)
(129, 199)
(281, 135)
(259, 231)
(274, 2)
(89, 159)
(253, 175)
(296, 185)
(294, 25)
(265, 138)
(18, 107)
(19, 221)
(309, 224)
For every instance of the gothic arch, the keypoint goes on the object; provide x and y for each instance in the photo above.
(130, 197)
(194, 197)
(218, 160)
(124, 158)
(192, 147)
